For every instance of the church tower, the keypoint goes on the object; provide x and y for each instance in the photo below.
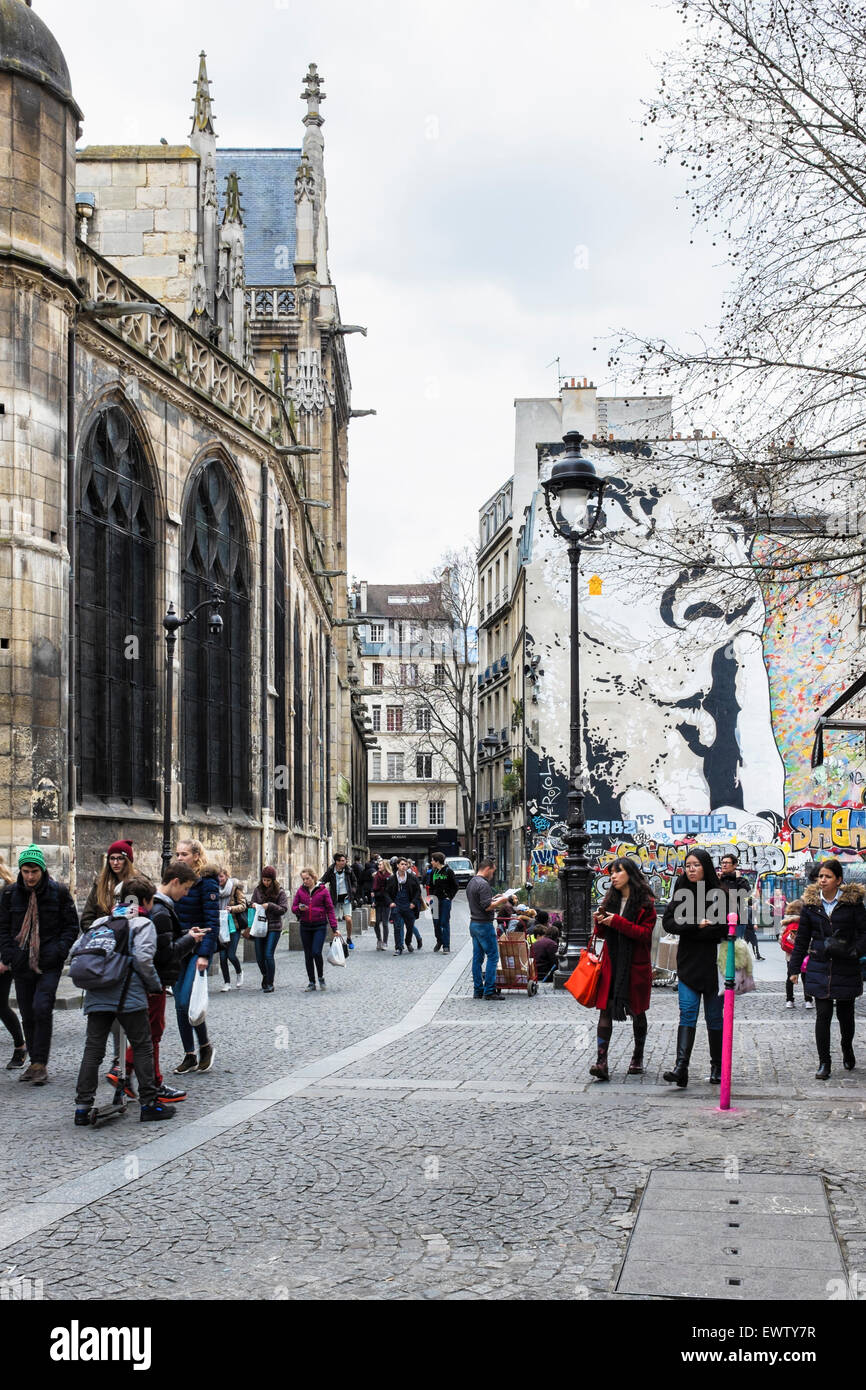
(39, 122)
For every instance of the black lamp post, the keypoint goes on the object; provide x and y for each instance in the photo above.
(490, 744)
(570, 490)
(171, 622)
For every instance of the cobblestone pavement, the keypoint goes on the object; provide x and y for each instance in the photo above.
(471, 1158)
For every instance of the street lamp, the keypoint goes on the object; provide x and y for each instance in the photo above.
(171, 622)
(570, 490)
(490, 744)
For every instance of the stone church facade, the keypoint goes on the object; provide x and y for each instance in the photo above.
(173, 433)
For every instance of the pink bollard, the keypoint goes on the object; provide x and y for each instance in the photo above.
(728, 1022)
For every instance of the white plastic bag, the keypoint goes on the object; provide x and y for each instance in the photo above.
(225, 929)
(198, 997)
(336, 955)
(260, 922)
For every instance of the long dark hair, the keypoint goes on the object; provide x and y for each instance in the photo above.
(714, 895)
(639, 891)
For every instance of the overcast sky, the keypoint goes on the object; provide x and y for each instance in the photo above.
(491, 207)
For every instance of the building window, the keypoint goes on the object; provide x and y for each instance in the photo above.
(376, 713)
(409, 674)
(438, 674)
(408, 812)
(378, 676)
(424, 766)
(394, 719)
(422, 721)
(281, 678)
(298, 722)
(437, 812)
(376, 767)
(395, 767)
(378, 813)
(216, 669)
(115, 603)
(377, 632)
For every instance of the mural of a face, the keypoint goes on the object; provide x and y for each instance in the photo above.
(674, 688)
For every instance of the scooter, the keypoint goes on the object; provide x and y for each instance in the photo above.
(103, 1114)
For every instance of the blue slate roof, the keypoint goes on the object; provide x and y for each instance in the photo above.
(267, 184)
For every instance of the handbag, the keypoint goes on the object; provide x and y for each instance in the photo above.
(337, 952)
(258, 921)
(744, 982)
(584, 980)
(225, 929)
(198, 997)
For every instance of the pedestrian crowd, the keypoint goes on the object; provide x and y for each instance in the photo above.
(136, 943)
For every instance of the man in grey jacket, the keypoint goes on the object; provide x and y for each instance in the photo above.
(125, 1000)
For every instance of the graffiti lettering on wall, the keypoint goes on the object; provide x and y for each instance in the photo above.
(830, 828)
(697, 824)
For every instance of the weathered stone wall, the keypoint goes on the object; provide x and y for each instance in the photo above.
(145, 218)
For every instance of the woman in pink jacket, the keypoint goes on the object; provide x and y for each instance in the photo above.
(314, 910)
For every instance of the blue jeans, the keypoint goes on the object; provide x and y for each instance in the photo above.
(484, 943)
(402, 917)
(181, 1007)
(443, 928)
(265, 948)
(690, 1003)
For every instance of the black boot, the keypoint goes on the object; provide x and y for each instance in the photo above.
(599, 1070)
(635, 1066)
(680, 1070)
(714, 1038)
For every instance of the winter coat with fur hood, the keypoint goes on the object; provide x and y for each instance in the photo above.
(829, 975)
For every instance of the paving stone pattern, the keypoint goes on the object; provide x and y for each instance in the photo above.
(474, 1158)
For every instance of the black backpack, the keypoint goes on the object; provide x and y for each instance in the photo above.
(100, 958)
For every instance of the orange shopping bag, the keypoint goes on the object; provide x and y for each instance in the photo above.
(584, 980)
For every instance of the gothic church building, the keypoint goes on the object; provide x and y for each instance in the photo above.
(174, 410)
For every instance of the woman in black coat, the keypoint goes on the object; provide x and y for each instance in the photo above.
(832, 933)
(697, 914)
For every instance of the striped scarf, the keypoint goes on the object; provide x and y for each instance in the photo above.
(30, 932)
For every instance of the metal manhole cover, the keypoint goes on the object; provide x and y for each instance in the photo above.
(704, 1235)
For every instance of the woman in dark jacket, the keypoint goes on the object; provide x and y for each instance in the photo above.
(200, 908)
(269, 895)
(832, 932)
(382, 903)
(697, 914)
(38, 924)
(625, 920)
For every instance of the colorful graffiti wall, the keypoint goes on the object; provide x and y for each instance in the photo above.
(699, 714)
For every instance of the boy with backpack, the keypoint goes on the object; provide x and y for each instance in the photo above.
(173, 946)
(113, 962)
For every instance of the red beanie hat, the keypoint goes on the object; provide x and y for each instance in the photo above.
(122, 847)
(269, 872)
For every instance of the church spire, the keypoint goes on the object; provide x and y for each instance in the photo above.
(203, 114)
(312, 95)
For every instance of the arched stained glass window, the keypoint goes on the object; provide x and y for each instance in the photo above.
(115, 610)
(215, 697)
(281, 679)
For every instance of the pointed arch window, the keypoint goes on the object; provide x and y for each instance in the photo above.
(298, 725)
(311, 731)
(281, 676)
(116, 617)
(216, 670)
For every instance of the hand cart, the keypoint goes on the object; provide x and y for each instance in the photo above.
(516, 966)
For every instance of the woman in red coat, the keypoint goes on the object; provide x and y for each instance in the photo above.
(626, 920)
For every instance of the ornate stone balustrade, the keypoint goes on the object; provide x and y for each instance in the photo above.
(175, 346)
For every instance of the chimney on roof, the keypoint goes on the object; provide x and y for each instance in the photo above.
(579, 408)
(363, 587)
